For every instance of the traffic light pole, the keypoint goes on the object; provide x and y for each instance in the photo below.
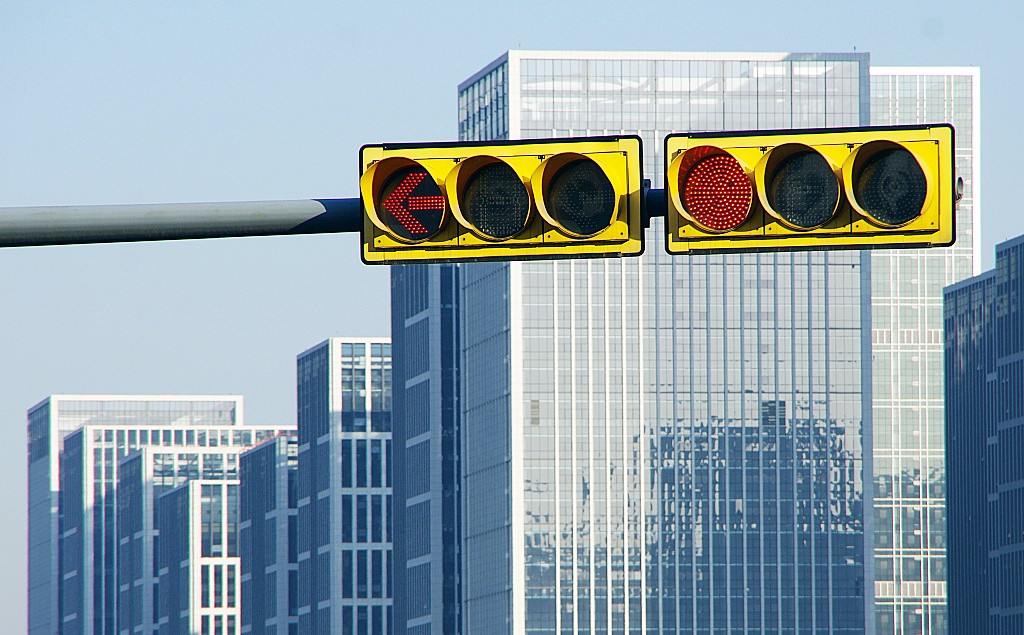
(85, 224)
(28, 226)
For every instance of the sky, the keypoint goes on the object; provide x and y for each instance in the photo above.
(114, 103)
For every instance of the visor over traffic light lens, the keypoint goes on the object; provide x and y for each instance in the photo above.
(496, 202)
(581, 199)
(890, 186)
(411, 204)
(803, 189)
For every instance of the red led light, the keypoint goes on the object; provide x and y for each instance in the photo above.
(717, 192)
(400, 202)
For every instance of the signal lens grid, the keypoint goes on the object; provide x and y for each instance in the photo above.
(412, 204)
(717, 192)
(891, 186)
(496, 202)
(581, 198)
(804, 190)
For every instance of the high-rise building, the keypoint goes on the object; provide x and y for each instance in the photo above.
(984, 372)
(907, 351)
(268, 537)
(199, 558)
(58, 600)
(145, 475)
(427, 507)
(89, 506)
(344, 497)
(661, 444)
(529, 94)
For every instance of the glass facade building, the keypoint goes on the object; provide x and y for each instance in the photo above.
(74, 591)
(344, 489)
(984, 372)
(662, 445)
(90, 508)
(427, 507)
(199, 555)
(268, 537)
(907, 359)
(145, 475)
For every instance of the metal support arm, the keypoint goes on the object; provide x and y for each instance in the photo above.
(83, 224)
(25, 226)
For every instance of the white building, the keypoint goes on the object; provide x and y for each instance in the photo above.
(200, 568)
(143, 477)
(131, 419)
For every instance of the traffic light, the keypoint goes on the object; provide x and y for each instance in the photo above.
(839, 188)
(557, 198)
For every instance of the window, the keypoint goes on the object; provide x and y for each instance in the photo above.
(218, 585)
(361, 520)
(360, 463)
(204, 599)
(376, 464)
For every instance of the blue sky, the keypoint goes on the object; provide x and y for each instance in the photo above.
(106, 103)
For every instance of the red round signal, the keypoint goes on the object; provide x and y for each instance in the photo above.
(716, 192)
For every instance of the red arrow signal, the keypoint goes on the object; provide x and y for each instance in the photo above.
(413, 204)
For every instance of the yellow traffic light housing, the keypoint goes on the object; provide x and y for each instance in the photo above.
(839, 188)
(557, 198)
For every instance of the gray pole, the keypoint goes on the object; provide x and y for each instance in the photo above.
(82, 224)
(25, 226)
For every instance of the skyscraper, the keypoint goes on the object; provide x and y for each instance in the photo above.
(145, 475)
(907, 351)
(89, 504)
(199, 556)
(344, 497)
(984, 369)
(612, 413)
(528, 94)
(48, 424)
(268, 536)
(426, 502)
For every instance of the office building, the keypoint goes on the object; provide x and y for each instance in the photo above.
(199, 561)
(984, 372)
(268, 537)
(611, 411)
(427, 507)
(64, 596)
(89, 504)
(145, 475)
(344, 497)
(907, 351)
(528, 94)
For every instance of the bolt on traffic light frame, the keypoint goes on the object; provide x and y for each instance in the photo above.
(836, 188)
(501, 200)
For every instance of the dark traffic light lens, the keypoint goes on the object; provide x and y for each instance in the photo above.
(804, 189)
(891, 186)
(411, 204)
(717, 192)
(495, 201)
(581, 198)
